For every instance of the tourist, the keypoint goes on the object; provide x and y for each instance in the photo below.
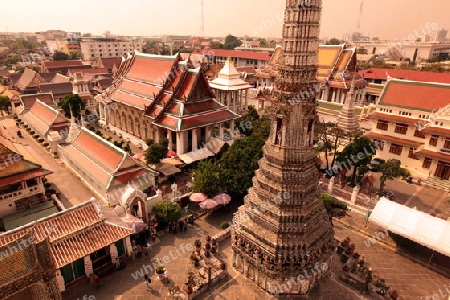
(174, 228)
(180, 225)
(185, 225)
(139, 251)
(331, 219)
(147, 281)
(97, 281)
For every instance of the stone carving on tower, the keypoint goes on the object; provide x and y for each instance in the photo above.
(282, 238)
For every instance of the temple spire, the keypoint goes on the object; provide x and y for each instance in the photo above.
(347, 120)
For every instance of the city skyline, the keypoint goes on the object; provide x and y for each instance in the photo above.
(241, 18)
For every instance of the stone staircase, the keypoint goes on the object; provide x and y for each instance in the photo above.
(437, 183)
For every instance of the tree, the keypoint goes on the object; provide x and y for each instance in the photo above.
(390, 170)
(357, 154)
(58, 55)
(245, 123)
(156, 151)
(330, 135)
(239, 163)
(4, 103)
(74, 55)
(232, 42)
(333, 41)
(362, 51)
(72, 102)
(168, 211)
(206, 179)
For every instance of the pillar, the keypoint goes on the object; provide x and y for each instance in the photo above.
(169, 137)
(181, 142)
(235, 99)
(333, 97)
(114, 253)
(221, 131)
(60, 281)
(194, 139)
(88, 268)
(128, 246)
(246, 99)
(208, 133)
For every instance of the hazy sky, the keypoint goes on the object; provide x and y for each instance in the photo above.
(383, 18)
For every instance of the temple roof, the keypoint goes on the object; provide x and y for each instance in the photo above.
(415, 95)
(102, 161)
(16, 169)
(62, 63)
(412, 75)
(264, 56)
(29, 78)
(42, 117)
(396, 118)
(229, 79)
(29, 100)
(168, 91)
(62, 88)
(73, 233)
(391, 139)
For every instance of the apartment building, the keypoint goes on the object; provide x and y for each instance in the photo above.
(94, 48)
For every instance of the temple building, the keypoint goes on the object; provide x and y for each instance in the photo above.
(21, 183)
(43, 118)
(44, 258)
(230, 89)
(107, 170)
(156, 97)
(283, 229)
(412, 119)
(27, 102)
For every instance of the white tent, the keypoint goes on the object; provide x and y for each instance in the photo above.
(415, 225)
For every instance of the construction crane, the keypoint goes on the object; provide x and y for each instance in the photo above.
(361, 10)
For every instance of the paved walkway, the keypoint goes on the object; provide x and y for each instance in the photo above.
(73, 191)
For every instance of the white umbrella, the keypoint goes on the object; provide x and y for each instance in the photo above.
(208, 204)
(223, 199)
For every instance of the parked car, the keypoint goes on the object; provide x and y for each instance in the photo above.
(374, 165)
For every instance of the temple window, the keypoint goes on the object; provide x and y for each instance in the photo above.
(278, 131)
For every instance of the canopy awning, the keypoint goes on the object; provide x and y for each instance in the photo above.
(199, 154)
(166, 169)
(415, 225)
(214, 145)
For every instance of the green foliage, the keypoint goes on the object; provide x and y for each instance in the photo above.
(231, 42)
(167, 211)
(149, 142)
(74, 102)
(198, 243)
(11, 60)
(390, 170)
(330, 202)
(32, 132)
(156, 152)
(333, 41)
(98, 132)
(359, 153)
(41, 140)
(58, 55)
(246, 122)
(224, 225)
(45, 144)
(362, 51)
(239, 163)
(206, 178)
(159, 269)
(4, 103)
(36, 136)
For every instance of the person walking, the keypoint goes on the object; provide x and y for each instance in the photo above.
(97, 281)
(147, 281)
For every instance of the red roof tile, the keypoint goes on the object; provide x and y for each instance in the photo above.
(412, 75)
(415, 95)
(433, 154)
(88, 71)
(264, 56)
(391, 139)
(140, 88)
(29, 100)
(62, 63)
(437, 131)
(151, 68)
(395, 118)
(99, 151)
(130, 99)
(111, 61)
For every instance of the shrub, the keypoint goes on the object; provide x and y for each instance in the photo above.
(26, 126)
(159, 269)
(41, 140)
(16, 117)
(28, 129)
(168, 211)
(197, 243)
(92, 128)
(32, 132)
(98, 132)
(224, 225)
(47, 185)
(45, 144)
(36, 136)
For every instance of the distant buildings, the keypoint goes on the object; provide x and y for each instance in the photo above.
(94, 48)
(258, 60)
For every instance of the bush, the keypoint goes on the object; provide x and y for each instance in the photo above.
(32, 132)
(45, 144)
(41, 140)
(28, 129)
(168, 211)
(26, 126)
(92, 128)
(159, 269)
(36, 136)
(98, 132)
(224, 225)
(47, 185)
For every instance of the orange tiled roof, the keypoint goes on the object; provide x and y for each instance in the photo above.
(391, 139)
(62, 63)
(395, 118)
(434, 155)
(437, 130)
(72, 233)
(412, 75)
(42, 117)
(29, 100)
(415, 95)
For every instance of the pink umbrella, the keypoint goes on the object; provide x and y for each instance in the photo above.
(198, 197)
(222, 199)
(135, 223)
(171, 153)
(208, 204)
(138, 155)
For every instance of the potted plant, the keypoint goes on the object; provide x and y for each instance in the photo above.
(208, 238)
(195, 260)
(207, 254)
(222, 265)
(213, 250)
(213, 242)
(198, 246)
(207, 246)
(160, 270)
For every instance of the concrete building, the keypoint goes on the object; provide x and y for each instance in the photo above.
(412, 120)
(240, 58)
(94, 48)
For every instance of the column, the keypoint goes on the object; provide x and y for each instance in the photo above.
(169, 137)
(235, 97)
(221, 131)
(114, 253)
(128, 246)
(333, 97)
(194, 139)
(246, 99)
(228, 96)
(88, 268)
(180, 143)
(207, 133)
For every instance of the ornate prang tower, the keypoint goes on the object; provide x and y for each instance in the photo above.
(282, 237)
